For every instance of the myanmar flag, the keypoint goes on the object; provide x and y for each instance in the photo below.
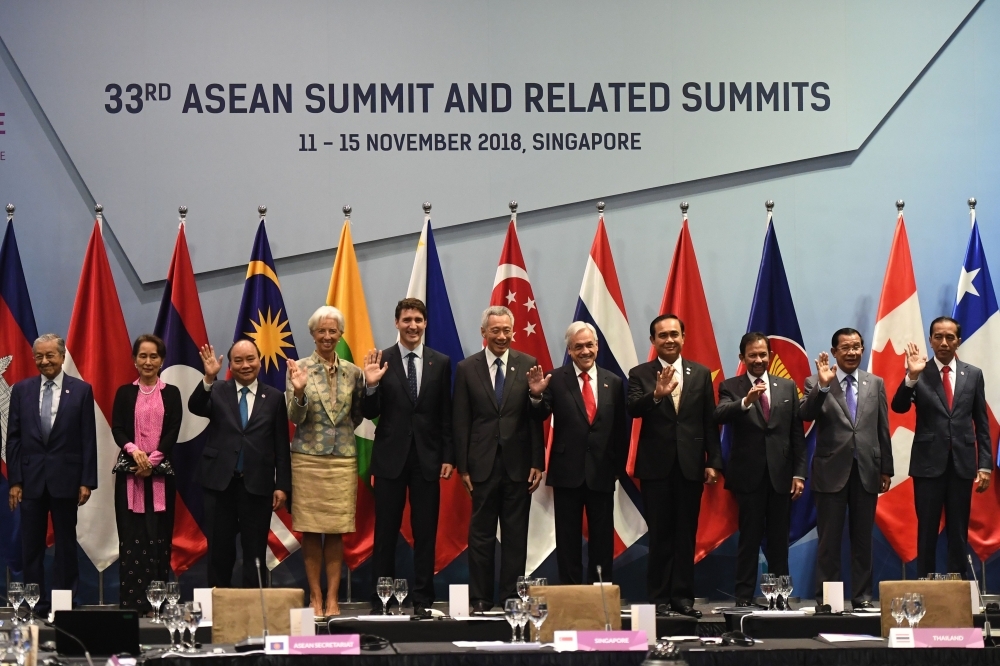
(347, 295)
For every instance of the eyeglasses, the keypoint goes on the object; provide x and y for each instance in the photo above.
(845, 349)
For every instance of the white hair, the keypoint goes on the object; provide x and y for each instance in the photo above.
(325, 312)
(51, 337)
(575, 328)
(497, 311)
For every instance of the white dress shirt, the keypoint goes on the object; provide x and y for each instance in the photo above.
(491, 360)
(418, 362)
(678, 374)
(767, 389)
(56, 392)
(593, 379)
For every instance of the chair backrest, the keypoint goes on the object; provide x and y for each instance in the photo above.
(578, 607)
(236, 613)
(948, 602)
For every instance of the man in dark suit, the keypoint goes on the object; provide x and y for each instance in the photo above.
(409, 391)
(767, 464)
(951, 445)
(500, 454)
(678, 452)
(853, 459)
(245, 468)
(589, 446)
(51, 461)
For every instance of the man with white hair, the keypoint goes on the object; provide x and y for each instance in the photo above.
(589, 447)
(499, 453)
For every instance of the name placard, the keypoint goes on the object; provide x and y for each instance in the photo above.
(329, 644)
(936, 638)
(600, 641)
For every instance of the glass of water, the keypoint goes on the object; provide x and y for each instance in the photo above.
(400, 589)
(915, 609)
(510, 611)
(31, 596)
(538, 610)
(156, 593)
(767, 589)
(897, 610)
(173, 593)
(15, 595)
(785, 583)
(384, 591)
(523, 587)
(192, 617)
(173, 618)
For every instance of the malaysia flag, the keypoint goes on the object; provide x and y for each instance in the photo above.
(977, 312)
(181, 326)
(601, 305)
(17, 334)
(897, 323)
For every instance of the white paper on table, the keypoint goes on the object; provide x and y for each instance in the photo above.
(203, 595)
(509, 647)
(849, 638)
(458, 600)
(61, 600)
(472, 644)
(777, 613)
(375, 618)
(487, 618)
(301, 622)
(644, 619)
(833, 595)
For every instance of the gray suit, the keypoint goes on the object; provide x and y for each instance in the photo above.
(849, 460)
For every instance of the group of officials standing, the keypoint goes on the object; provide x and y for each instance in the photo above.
(489, 430)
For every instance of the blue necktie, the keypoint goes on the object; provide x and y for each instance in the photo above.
(244, 417)
(411, 374)
(46, 413)
(852, 401)
(498, 381)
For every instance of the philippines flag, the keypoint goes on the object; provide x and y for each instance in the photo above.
(773, 313)
(99, 352)
(977, 312)
(512, 288)
(181, 326)
(17, 334)
(897, 323)
(264, 320)
(601, 305)
(427, 284)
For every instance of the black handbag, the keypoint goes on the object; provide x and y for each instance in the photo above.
(124, 465)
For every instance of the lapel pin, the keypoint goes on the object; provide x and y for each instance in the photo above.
(864, 383)
(66, 391)
(962, 373)
(605, 386)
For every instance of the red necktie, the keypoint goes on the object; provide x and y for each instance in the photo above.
(765, 404)
(588, 397)
(947, 385)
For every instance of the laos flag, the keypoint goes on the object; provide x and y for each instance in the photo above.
(182, 327)
(17, 334)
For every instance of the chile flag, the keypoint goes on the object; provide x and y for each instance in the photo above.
(181, 326)
(17, 334)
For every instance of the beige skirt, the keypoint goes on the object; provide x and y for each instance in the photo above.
(324, 493)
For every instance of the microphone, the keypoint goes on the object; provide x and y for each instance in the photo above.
(260, 586)
(986, 623)
(254, 643)
(54, 626)
(607, 622)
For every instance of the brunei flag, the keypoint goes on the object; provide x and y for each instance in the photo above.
(264, 320)
(347, 295)
(17, 334)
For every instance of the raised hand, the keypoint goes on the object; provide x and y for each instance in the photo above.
(374, 368)
(665, 383)
(297, 376)
(212, 364)
(915, 361)
(827, 373)
(538, 381)
(756, 391)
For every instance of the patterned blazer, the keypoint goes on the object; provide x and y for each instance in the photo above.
(326, 422)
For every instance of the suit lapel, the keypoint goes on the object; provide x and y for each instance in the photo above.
(686, 369)
(232, 398)
(604, 397)
(573, 385)
(36, 387)
(511, 374)
(933, 377)
(961, 375)
(864, 392)
(838, 393)
(258, 402)
(67, 386)
(483, 371)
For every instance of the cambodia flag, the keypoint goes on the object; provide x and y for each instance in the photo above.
(17, 334)
(773, 314)
(181, 326)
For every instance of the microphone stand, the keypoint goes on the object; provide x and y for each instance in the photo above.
(987, 634)
(254, 643)
(607, 622)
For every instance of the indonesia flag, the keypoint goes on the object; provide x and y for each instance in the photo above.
(601, 305)
(977, 312)
(99, 352)
(17, 334)
(512, 288)
(898, 322)
(181, 326)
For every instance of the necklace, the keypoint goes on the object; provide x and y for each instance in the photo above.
(149, 392)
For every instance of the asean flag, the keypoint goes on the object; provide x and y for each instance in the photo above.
(181, 326)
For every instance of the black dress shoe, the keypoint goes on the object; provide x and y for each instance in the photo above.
(481, 606)
(421, 611)
(689, 611)
(863, 604)
(663, 609)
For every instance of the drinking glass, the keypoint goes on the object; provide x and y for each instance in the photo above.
(15, 595)
(400, 588)
(31, 596)
(20, 642)
(540, 582)
(156, 593)
(192, 616)
(384, 592)
(786, 590)
(954, 576)
(897, 610)
(538, 610)
(767, 589)
(915, 609)
(173, 593)
(174, 621)
(510, 610)
(522, 620)
(523, 586)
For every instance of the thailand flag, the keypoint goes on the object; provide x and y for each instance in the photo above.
(601, 305)
(17, 334)
(181, 326)
(427, 284)
(977, 312)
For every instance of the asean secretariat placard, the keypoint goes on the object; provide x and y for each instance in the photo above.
(306, 107)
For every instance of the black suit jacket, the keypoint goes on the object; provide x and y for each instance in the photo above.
(123, 417)
(427, 423)
(69, 459)
(689, 435)
(267, 463)
(963, 430)
(480, 426)
(779, 441)
(581, 451)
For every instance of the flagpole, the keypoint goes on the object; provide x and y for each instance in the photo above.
(684, 211)
(899, 207)
(10, 212)
(513, 212)
(427, 210)
(99, 212)
(183, 212)
(972, 212)
(769, 205)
